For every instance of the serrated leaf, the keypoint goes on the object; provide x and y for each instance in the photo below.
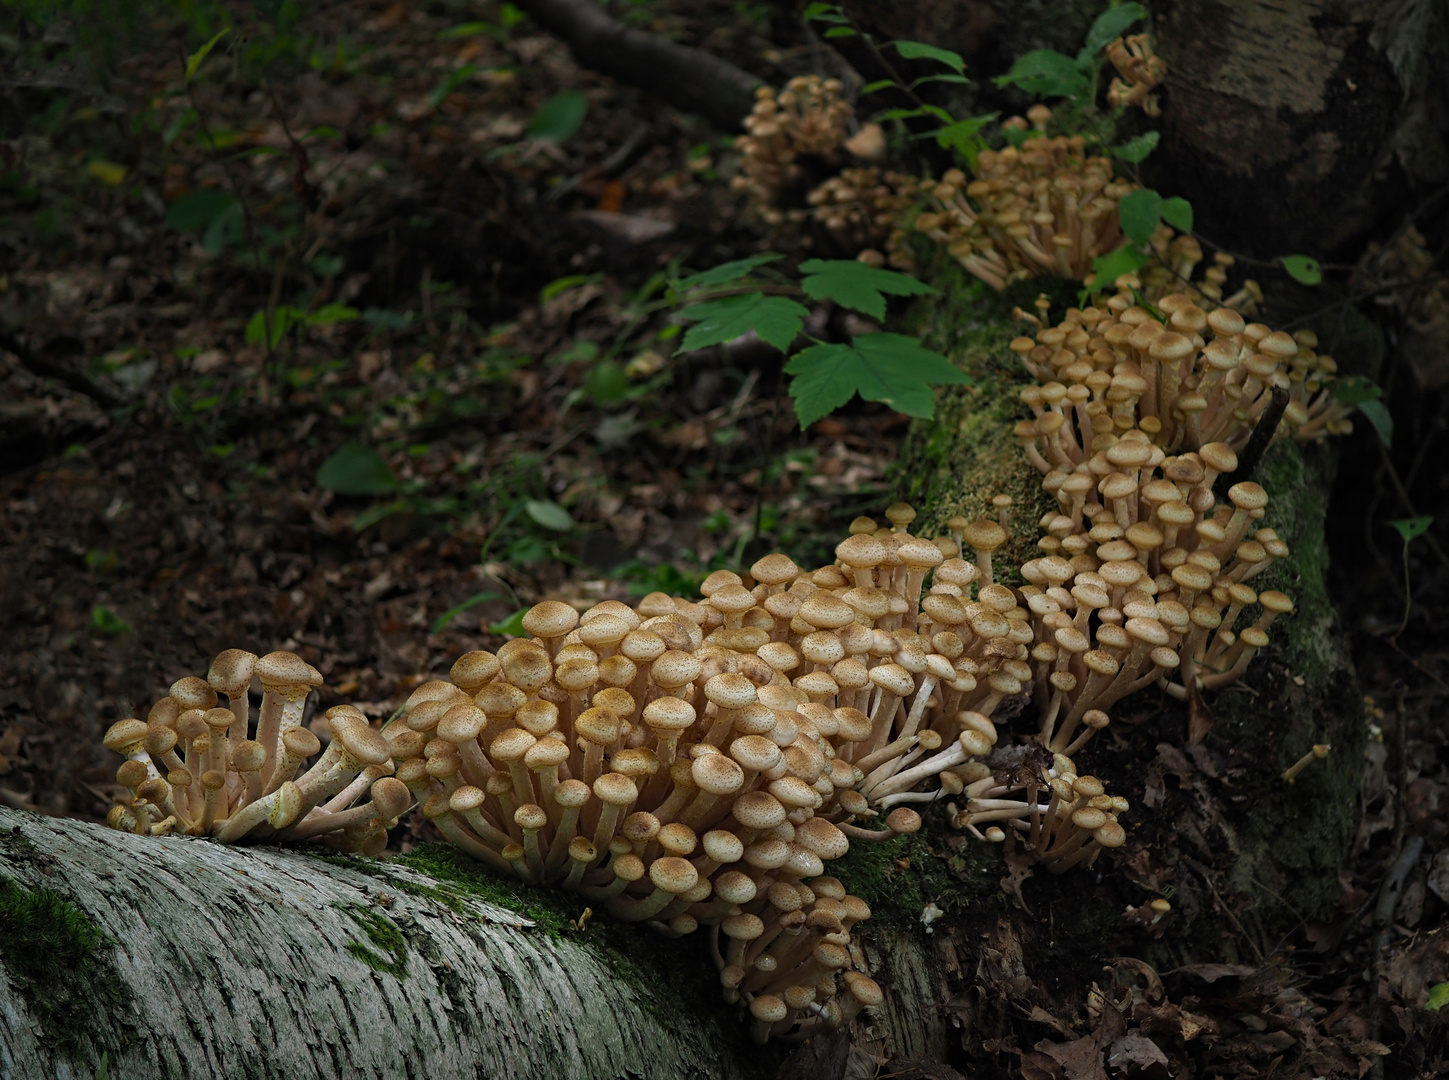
(1138, 147)
(549, 514)
(726, 272)
(1106, 269)
(889, 368)
(916, 50)
(1414, 527)
(1139, 212)
(856, 285)
(1303, 269)
(1109, 27)
(964, 136)
(560, 116)
(1177, 212)
(774, 319)
(1047, 73)
(354, 469)
(1378, 415)
(194, 60)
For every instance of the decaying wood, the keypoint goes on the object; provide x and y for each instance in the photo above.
(235, 962)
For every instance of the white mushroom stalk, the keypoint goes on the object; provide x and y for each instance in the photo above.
(190, 767)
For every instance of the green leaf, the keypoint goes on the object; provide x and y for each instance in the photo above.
(824, 13)
(1106, 269)
(775, 319)
(726, 272)
(1139, 213)
(1137, 148)
(964, 136)
(1177, 212)
(560, 116)
(106, 623)
(890, 368)
(1108, 27)
(283, 319)
(196, 210)
(1303, 269)
(1414, 527)
(331, 315)
(915, 50)
(457, 609)
(839, 32)
(512, 626)
(373, 514)
(1355, 389)
(559, 286)
(878, 85)
(1047, 73)
(1378, 415)
(549, 514)
(1438, 997)
(194, 60)
(858, 286)
(354, 469)
(958, 80)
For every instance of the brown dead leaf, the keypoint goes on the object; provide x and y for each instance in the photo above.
(1079, 1060)
(1137, 1055)
(1214, 972)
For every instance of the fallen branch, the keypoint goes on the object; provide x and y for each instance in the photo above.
(686, 78)
(47, 369)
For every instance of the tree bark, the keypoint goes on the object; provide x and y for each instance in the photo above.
(260, 963)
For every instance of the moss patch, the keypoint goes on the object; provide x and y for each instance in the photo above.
(57, 958)
(382, 933)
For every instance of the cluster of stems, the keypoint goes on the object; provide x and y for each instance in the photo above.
(197, 767)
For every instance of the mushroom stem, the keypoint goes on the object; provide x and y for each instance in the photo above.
(1320, 750)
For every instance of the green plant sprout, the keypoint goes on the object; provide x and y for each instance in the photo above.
(1409, 529)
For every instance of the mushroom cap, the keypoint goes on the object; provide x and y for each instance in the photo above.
(755, 752)
(1248, 496)
(673, 874)
(249, 755)
(301, 743)
(734, 887)
(723, 846)
(639, 827)
(822, 838)
(730, 691)
(390, 797)
(744, 927)
(768, 1009)
(598, 725)
(676, 838)
(550, 619)
(125, 735)
(903, 820)
(603, 630)
(863, 988)
(461, 723)
(675, 668)
(1275, 601)
(432, 690)
(537, 717)
(615, 789)
(582, 849)
(530, 816)
(571, 794)
(860, 550)
(500, 700)
(473, 670)
(231, 671)
(285, 669)
(193, 693)
(984, 534)
(546, 753)
(527, 669)
(669, 714)
(758, 810)
(825, 611)
(512, 744)
(360, 742)
(717, 774)
(775, 569)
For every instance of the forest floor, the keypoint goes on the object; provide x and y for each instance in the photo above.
(335, 348)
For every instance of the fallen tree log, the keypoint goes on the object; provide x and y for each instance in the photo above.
(173, 958)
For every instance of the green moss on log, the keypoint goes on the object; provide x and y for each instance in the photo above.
(57, 959)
